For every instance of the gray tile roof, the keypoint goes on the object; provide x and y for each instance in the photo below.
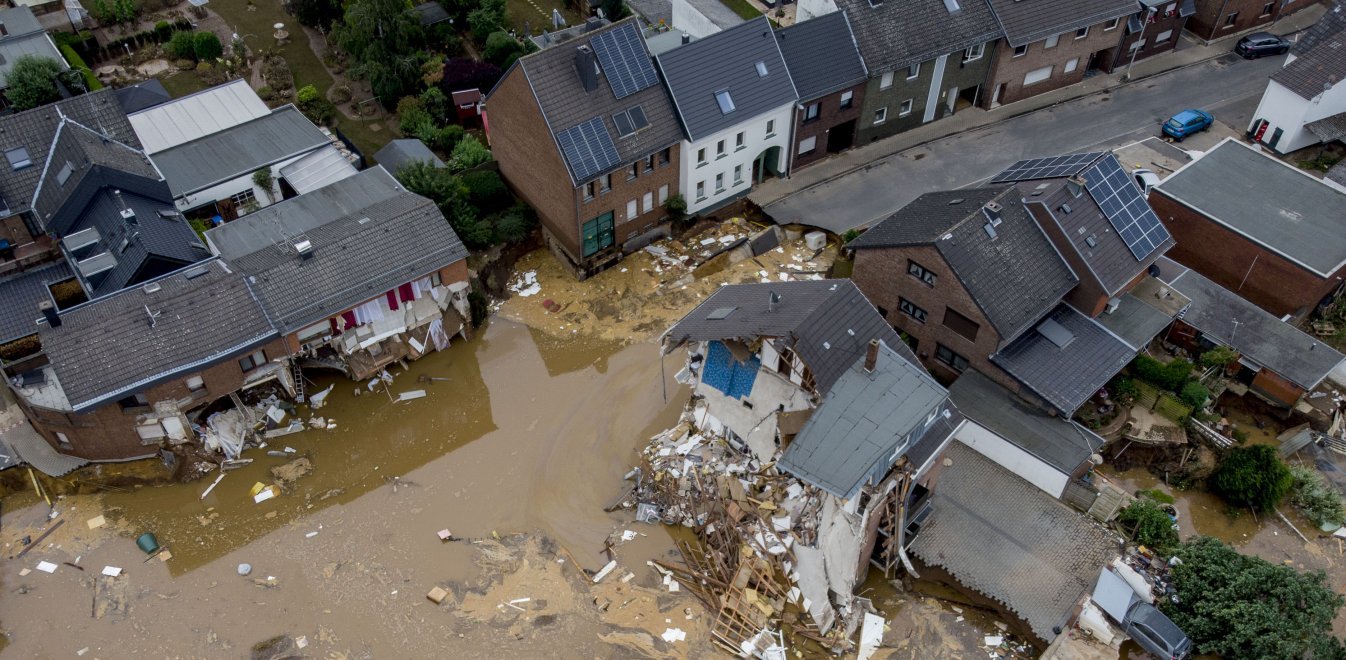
(1015, 277)
(35, 130)
(29, 447)
(156, 244)
(142, 95)
(1026, 21)
(365, 243)
(1065, 377)
(108, 348)
(1269, 202)
(401, 152)
(1259, 337)
(1329, 128)
(1000, 536)
(828, 323)
(1329, 25)
(20, 294)
(851, 438)
(431, 13)
(1320, 65)
(822, 55)
(238, 150)
(726, 61)
(1055, 440)
(564, 103)
(894, 35)
(87, 154)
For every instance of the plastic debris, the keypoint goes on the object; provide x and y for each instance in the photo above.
(111, 571)
(48, 567)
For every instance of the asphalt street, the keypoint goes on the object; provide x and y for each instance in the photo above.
(1228, 87)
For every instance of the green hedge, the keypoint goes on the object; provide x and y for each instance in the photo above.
(1171, 376)
(77, 63)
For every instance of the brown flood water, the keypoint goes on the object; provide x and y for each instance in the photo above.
(529, 434)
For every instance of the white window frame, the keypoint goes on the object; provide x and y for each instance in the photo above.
(886, 80)
(700, 156)
(880, 116)
(647, 202)
(1082, 33)
(1112, 24)
(719, 183)
(914, 71)
(771, 128)
(738, 175)
(811, 142)
(700, 190)
(1020, 51)
(632, 209)
(979, 49)
(1050, 69)
(721, 150)
(663, 194)
(847, 99)
(1050, 42)
(195, 383)
(906, 107)
(1163, 37)
(740, 141)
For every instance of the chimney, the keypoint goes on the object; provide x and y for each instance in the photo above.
(129, 216)
(49, 312)
(992, 212)
(686, 38)
(872, 356)
(305, 249)
(1075, 185)
(4, 31)
(586, 64)
(593, 23)
(772, 300)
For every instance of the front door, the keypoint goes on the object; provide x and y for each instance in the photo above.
(598, 234)
(1275, 138)
(841, 137)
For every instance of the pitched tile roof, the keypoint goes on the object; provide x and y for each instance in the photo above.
(364, 243)
(828, 323)
(1026, 21)
(238, 150)
(1015, 276)
(852, 437)
(20, 294)
(1320, 57)
(142, 95)
(1000, 536)
(79, 152)
(1267, 201)
(109, 348)
(160, 240)
(894, 35)
(1065, 376)
(727, 62)
(822, 55)
(560, 95)
(1057, 441)
(1330, 128)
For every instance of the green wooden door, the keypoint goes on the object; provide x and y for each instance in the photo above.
(598, 234)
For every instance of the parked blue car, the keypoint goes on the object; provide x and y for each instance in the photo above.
(1187, 122)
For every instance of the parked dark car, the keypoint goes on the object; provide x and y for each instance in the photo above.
(1156, 633)
(1261, 44)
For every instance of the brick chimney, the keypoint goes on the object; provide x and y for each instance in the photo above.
(872, 356)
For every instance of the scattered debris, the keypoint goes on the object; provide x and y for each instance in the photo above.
(674, 635)
(244, 569)
(437, 595)
(111, 571)
(46, 567)
(603, 572)
(96, 522)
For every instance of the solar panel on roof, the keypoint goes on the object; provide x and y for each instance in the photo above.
(1046, 168)
(625, 63)
(1124, 207)
(588, 148)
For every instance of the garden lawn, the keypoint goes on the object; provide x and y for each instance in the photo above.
(537, 14)
(743, 8)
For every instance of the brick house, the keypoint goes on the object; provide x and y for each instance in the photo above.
(1258, 227)
(584, 133)
(1050, 44)
(1216, 19)
(926, 58)
(1155, 28)
(829, 75)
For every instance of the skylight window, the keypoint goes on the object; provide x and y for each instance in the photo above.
(18, 158)
(630, 120)
(761, 69)
(726, 102)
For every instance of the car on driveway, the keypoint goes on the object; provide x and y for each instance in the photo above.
(1261, 44)
(1146, 180)
(1187, 122)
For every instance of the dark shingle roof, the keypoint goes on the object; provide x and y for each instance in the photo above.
(1015, 277)
(851, 438)
(154, 245)
(1065, 376)
(1260, 337)
(893, 35)
(431, 13)
(20, 294)
(1055, 440)
(828, 323)
(726, 61)
(359, 251)
(86, 154)
(1002, 537)
(238, 150)
(35, 129)
(822, 55)
(1026, 21)
(1321, 57)
(1329, 25)
(142, 95)
(107, 349)
(564, 103)
(402, 152)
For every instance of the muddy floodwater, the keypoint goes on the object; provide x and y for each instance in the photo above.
(525, 437)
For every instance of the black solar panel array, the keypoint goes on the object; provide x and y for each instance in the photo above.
(625, 62)
(1122, 203)
(588, 148)
(1046, 168)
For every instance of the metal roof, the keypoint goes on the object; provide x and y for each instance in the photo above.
(404, 151)
(822, 55)
(1268, 202)
(1002, 537)
(20, 294)
(1053, 439)
(197, 115)
(852, 437)
(1066, 376)
(1026, 21)
(320, 168)
(894, 35)
(238, 150)
(727, 62)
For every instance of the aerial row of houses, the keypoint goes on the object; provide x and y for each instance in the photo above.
(608, 121)
(158, 257)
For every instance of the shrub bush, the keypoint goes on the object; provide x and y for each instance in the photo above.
(1169, 376)
(1194, 394)
(514, 225)
(314, 105)
(486, 190)
(76, 62)
(207, 46)
(1318, 500)
(182, 46)
(1124, 390)
(1149, 525)
(468, 153)
(1252, 476)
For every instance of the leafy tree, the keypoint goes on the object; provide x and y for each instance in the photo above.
(1239, 606)
(500, 47)
(434, 102)
(32, 82)
(1220, 356)
(383, 39)
(442, 139)
(317, 13)
(182, 45)
(1194, 394)
(1315, 498)
(314, 105)
(469, 153)
(450, 195)
(125, 11)
(1149, 525)
(514, 225)
(614, 10)
(486, 190)
(488, 17)
(206, 46)
(462, 73)
(1169, 376)
(1252, 476)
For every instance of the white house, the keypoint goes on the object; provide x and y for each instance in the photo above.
(735, 100)
(702, 18)
(1305, 101)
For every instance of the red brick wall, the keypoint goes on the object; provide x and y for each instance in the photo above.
(831, 115)
(1209, 21)
(1173, 24)
(1238, 264)
(625, 189)
(1010, 70)
(109, 434)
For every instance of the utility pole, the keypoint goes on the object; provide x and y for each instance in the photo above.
(1140, 41)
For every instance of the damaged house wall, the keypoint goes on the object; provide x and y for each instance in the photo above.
(746, 396)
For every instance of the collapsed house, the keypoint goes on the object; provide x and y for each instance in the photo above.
(799, 460)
